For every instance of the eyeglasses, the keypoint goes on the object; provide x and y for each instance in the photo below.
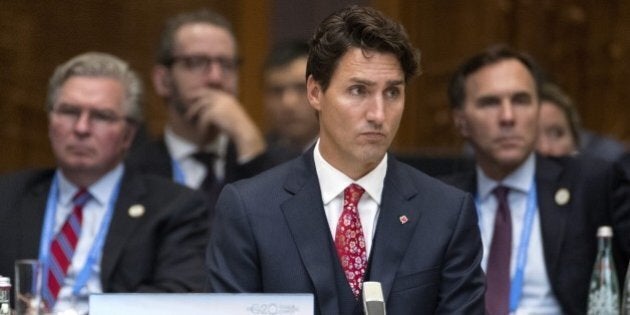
(70, 114)
(201, 63)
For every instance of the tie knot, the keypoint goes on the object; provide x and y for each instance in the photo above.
(205, 158)
(353, 193)
(501, 192)
(81, 197)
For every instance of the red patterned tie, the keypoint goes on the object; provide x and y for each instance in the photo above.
(349, 239)
(62, 249)
(498, 269)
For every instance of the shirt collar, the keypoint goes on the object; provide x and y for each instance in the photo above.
(332, 182)
(101, 191)
(520, 180)
(180, 148)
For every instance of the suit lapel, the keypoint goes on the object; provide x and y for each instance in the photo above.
(392, 237)
(152, 158)
(121, 226)
(31, 219)
(466, 181)
(307, 222)
(163, 161)
(553, 218)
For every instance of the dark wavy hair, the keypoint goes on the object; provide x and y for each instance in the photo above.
(285, 52)
(358, 27)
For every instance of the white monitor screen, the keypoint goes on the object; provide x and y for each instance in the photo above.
(201, 304)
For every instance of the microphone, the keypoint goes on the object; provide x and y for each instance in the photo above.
(373, 302)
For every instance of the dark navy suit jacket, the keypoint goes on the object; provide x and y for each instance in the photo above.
(160, 251)
(270, 234)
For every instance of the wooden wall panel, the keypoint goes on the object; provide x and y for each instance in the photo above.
(436, 28)
(583, 45)
(35, 36)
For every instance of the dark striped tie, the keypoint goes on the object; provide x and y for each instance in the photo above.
(62, 249)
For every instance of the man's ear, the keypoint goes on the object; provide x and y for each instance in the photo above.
(130, 134)
(313, 92)
(161, 80)
(460, 122)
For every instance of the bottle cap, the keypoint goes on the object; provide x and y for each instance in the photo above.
(604, 231)
(5, 282)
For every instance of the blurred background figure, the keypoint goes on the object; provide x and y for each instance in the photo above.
(600, 146)
(560, 131)
(293, 122)
(538, 216)
(581, 31)
(209, 138)
(558, 123)
(122, 231)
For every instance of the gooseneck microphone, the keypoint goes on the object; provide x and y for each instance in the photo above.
(373, 302)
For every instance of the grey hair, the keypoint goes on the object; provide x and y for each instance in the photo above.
(97, 64)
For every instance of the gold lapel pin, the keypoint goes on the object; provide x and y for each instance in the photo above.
(562, 196)
(136, 211)
(403, 219)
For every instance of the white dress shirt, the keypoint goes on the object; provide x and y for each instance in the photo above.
(537, 297)
(93, 212)
(193, 171)
(333, 182)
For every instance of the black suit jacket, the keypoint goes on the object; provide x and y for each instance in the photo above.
(598, 196)
(153, 158)
(624, 162)
(270, 234)
(160, 251)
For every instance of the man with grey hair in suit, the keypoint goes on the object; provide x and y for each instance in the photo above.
(94, 225)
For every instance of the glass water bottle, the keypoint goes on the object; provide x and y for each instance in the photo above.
(603, 296)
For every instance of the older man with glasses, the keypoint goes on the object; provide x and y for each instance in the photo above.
(94, 224)
(209, 138)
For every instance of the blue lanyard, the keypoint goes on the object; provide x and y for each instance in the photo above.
(178, 173)
(516, 287)
(95, 251)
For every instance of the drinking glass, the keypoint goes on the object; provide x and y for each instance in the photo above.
(28, 284)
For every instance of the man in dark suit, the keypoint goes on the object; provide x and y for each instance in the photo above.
(538, 217)
(346, 211)
(209, 138)
(122, 232)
